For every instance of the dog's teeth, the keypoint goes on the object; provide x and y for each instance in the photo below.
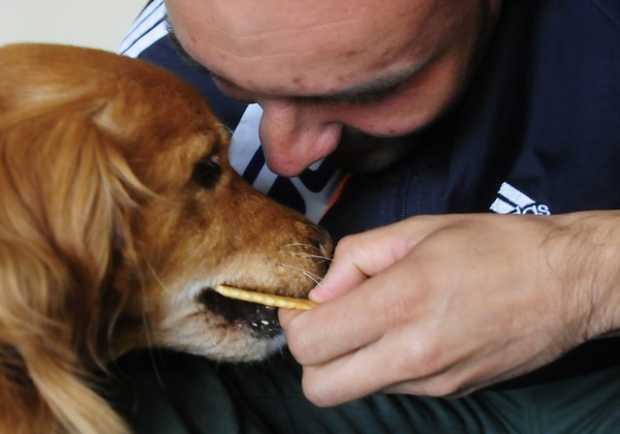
(264, 322)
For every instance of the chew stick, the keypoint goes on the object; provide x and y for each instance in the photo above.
(265, 299)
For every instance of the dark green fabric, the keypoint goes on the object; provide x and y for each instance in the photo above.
(169, 393)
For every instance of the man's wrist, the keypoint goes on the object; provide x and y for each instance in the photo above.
(593, 256)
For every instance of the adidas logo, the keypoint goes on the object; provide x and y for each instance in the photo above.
(512, 201)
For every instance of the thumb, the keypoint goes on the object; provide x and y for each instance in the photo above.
(358, 257)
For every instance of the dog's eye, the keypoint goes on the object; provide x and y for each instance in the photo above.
(207, 172)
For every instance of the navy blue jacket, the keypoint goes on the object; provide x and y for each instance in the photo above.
(537, 131)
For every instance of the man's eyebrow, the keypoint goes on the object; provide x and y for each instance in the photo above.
(373, 89)
(370, 91)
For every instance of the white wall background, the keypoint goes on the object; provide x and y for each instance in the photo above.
(92, 23)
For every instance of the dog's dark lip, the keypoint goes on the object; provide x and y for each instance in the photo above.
(261, 320)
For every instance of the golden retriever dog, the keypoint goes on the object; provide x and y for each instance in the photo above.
(118, 212)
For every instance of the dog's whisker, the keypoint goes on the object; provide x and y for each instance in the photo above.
(295, 244)
(308, 255)
(304, 249)
(299, 247)
(306, 246)
(313, 277)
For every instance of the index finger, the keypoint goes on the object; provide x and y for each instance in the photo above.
(360, 256)
(353, 320)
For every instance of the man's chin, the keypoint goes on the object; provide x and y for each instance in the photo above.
(361, 153)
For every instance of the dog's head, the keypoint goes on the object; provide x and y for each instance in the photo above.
(118, 210)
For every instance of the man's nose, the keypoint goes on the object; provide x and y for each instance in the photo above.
(295, 135)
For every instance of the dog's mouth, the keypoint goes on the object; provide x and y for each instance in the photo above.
(261, 320)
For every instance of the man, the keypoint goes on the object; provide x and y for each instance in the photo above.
(449, 107)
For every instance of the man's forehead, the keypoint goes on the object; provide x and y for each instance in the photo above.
(245, 17)
(309, 47)
(248, 17)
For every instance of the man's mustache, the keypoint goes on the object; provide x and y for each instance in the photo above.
(359, 152)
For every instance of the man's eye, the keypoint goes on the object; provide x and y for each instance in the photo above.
(207, 172)
(372, 98)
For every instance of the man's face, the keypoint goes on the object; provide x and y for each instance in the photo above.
(384, 68)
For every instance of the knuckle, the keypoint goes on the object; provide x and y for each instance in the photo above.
(298, 346)
(420, 360)
(314, 391)
(430, 358)
(286, 318)
(298, 352)
(345, 246)
(429, 264)
(400, 311)
(441, 386)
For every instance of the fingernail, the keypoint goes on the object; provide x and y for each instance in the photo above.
(318, 294)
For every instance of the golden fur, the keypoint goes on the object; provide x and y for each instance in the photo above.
(117, 209)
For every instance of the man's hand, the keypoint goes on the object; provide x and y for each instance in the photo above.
(443, 305)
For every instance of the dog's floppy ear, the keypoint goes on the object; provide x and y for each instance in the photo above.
(66, 196)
